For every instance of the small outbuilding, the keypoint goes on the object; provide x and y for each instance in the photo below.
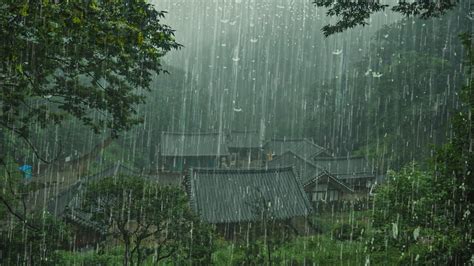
(327, 188)
(245, 147)
(319, 184)
(181, 151)
(355, 172)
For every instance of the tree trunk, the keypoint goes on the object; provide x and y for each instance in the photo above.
(139, 255)
(126, 257)
(269, 253)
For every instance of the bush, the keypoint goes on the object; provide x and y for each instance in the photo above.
(348, 232)
(92, 258)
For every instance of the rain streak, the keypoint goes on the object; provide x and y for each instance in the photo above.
(236, 132)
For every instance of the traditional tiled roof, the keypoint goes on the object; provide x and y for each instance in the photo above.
(228, 196)
(84, 219)
(193, 144)
(305, 169)
(244, 140)
(346, 167)
(303, 147)
(329, 178)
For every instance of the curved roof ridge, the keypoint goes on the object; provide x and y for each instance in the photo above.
(242, 170)
(342, 157)
(333, 177)
(302, 158)
(314, 144)
(307, 140)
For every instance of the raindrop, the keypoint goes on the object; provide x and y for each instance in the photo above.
(394, 230)
(416, 233)
(376, 74)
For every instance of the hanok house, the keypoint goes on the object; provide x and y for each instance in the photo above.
(181, 151)
(319, 184)
(245, 148)
(303, 147)
(355, 172)
(231, 198)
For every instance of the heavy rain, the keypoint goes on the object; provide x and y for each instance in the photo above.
(236, 132)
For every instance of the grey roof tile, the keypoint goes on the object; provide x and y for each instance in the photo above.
(227, 196)
(328, 177)
(346, 167)
(305, 169)
(303, 147)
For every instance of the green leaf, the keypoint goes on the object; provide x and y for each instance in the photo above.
(24, 10)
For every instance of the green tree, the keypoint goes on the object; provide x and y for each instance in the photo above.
(90, 60)
(455, 160)
(412, 214)
(356, 13)
(395, 102)
(150, 220)
(427, 216)
(265, 235)
(27, 236)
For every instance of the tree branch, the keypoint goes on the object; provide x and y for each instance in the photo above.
(21, 218)
(28, 142)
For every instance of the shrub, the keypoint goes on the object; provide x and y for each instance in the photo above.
(348, 232)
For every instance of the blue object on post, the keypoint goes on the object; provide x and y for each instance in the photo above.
(27, 171)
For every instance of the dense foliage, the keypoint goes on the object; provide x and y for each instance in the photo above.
(62, 62)
(150, 220)
(62, 58)
(427, 216)
(397, 101)
(356, 13)
(95, 61)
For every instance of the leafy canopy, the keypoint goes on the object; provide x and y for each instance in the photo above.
(150, 220)
(427, 216)
(91, 60)
(354, 13)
